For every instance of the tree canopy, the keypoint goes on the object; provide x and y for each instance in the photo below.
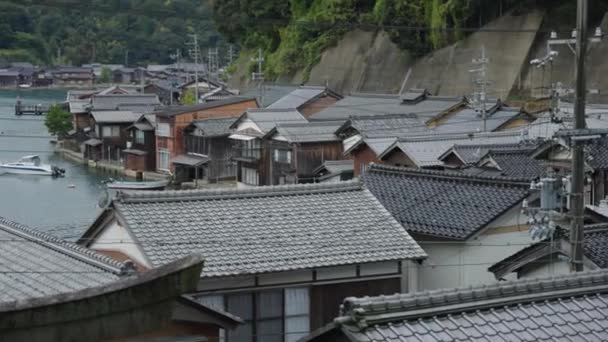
(58, 121)
(103, 31)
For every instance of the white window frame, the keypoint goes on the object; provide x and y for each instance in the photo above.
(140, 137)
(112, 131)
(282, 156)
(163, 129)
(163, 152)
(250, 176)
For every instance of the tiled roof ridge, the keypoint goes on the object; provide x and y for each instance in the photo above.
(271, 110)
(258, 191)
(456, 136)
(216, 119)
(367, 311)
(522, 182)
(384, 116)
(308, 123)
(68, 248)
(523, 145)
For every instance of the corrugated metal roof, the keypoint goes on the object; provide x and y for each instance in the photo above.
(266, 119)
(214, 127)
(470, 120)
(116, 101)
(372, 104)
(298, 97)
(308, 131)
(393, 125)
(171, 111)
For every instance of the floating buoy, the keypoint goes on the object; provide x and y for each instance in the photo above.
(71, 186)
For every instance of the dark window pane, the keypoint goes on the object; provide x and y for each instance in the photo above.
(243, 333)
(270, 331)
(241, 305)
(270, 304)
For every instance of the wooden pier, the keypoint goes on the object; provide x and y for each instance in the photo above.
(28, 109)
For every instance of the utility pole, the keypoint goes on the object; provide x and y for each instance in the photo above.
(126, 58)
(230, 54)
(195, 54)
(213, 56)
(482, 83)
(259, 76)
(578, 156)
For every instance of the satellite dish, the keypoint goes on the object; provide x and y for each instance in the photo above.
(104, 199)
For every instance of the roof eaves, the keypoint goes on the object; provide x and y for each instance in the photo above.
(73, 250)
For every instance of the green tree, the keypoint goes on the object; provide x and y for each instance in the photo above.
(58, 121)
(189, 97)
(106, 75)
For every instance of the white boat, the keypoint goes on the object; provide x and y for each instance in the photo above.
(25, 86)
(31, 165)
(157, 185)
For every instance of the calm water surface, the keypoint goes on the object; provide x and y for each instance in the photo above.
(43, 202)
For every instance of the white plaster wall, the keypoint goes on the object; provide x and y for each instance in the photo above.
(464, 264)
(116, 238)
(559, 266)
(247, 123)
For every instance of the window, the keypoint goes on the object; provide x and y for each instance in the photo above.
(163, 129)
(270, 316)
(282, 156)
(110, 131)
(139, 137)
(163, 159)
(249, 176)
(250, 149)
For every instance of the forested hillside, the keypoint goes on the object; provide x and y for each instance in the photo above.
(104, 31)
(293, 33)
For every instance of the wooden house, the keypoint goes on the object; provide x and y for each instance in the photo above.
(282, 258)
(73, 77)
(208, 139)
(297, 149)
(252, 154)
(111, 129)
(140, 154)
(171, 121)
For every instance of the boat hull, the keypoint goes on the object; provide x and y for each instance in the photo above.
(138, 185)
(26, 171)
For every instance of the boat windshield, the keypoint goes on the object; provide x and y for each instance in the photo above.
(31, 159)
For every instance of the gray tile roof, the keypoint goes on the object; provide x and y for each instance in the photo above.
(444, 204)
(34, 264)
(267, 119)
(392, 125)
(171, 111)
(598, 151)
(215, 127)
(115, 116)
(113, 102)
(336, 166)
(426, 150)
(298, 97)
(266, 229)
(307, 131)
(471, 154)
(516, 163)
(571, 307)
(272, 93)
(470, 120)
(375, 104)
(378, 145)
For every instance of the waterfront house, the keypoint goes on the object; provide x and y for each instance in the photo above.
(9, 78)
(110, 134)
(571, 307)
(208, 156)
(73, 77)
(123, 75)
(308, 100)
(171, 121)
(250, 152)
(465, 223)
(67, 288)
(297, 149)
(280, 257)
(140, 154)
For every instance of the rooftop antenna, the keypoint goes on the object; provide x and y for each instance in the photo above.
(259, 76)
(482, 82)
(195, 53)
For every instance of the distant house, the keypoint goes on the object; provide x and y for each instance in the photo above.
(68, 287)
(297, 149)
(140, 103)
(308, 100)
(558, 308)
(333, 171)
(253, 159)
(73, 77)
(9, 78)
(418, 102)
(365, 151)
(552, 255)
(140, 154)
(171, 121)
(166, 91)
(208, 155)
(282, 258)
(459, 220)
(123, 75)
